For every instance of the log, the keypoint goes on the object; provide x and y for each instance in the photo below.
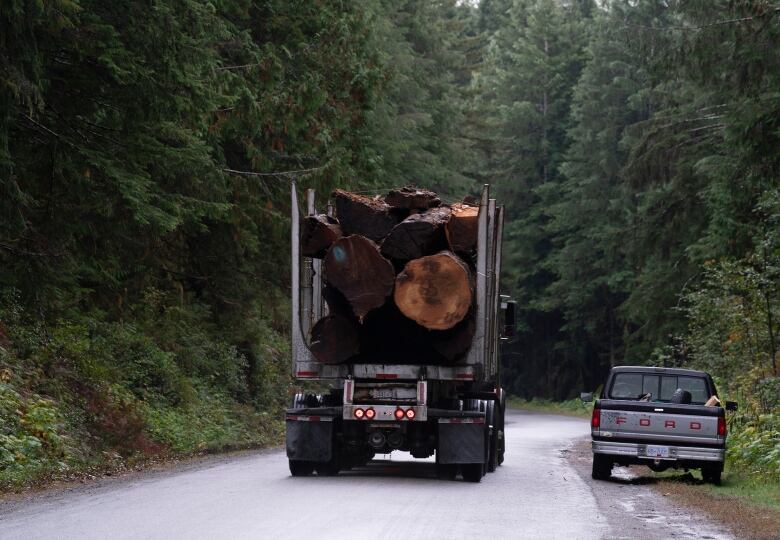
(435, 291)
(417, 236)
(356, 268)
(337, 304)
(462, 228)
(334, 339)
(387, 336)
(372, 218)
(412, 198)
(317, 234)
(452, 344)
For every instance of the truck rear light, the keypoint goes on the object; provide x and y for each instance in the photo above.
(370, 413)
(721, 426)
(359, 413)
(595, 419)
(399, 413)
(410, 414)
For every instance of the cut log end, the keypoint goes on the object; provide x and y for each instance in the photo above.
(334, 339)
(417, 236)
(372, 218)
(317, 234)
(412, 198)
(355, 267)
(435, 291)
(462, 228)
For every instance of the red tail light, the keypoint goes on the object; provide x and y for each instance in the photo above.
(370, 413)
(399, 414)
(359, 413)
(721, 426)
(595, 419)
(410, 414)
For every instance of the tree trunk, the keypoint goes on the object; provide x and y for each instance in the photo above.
(318, 234)
(334, 339)
(356, 268)
(372, 218)
(412, 198)
(417, 236)
(435, 291)
(462, 228)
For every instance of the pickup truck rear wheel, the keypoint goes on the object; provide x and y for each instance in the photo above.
(712, 473)
(602, 467)
(301, 468)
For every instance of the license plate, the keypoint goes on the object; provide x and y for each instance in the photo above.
(657, 451)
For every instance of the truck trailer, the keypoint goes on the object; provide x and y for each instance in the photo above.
(361, 409)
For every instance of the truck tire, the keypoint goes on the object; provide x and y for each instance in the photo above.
(301, 468)
(327, 468)
(502, 424)
(492, 420)
(602, 467)
(446, 471)
(712, 473)
(473, 472)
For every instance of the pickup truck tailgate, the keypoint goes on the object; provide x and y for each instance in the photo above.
(659, 422)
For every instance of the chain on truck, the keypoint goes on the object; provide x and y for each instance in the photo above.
(453, 412)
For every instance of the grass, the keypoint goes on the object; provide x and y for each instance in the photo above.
(571, 407)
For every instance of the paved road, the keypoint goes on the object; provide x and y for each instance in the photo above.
(539, 492)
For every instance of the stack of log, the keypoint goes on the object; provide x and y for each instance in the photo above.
(399, 273)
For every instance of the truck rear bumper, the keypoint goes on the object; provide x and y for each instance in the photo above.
(676, 453)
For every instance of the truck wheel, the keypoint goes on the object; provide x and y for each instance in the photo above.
(602, 467)
(501, 424)
(712, 473)
(473, 472)
(301, 468)
(446, 471)
(327, 468)
(492, 442)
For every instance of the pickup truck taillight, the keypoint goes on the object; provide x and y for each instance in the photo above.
(721, 426)
(595, 419)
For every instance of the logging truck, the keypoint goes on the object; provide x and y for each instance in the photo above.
(397, 323)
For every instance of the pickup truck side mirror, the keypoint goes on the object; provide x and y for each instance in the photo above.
(731, 406)
(587, 397)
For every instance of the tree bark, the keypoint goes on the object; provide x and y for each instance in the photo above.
(318, 234)
(372, 218)
(412, 198)
(435, 291)
(462, 228)
(334, 339)
(355, 267)
(417, 236)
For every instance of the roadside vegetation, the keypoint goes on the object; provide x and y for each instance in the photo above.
(145, 163)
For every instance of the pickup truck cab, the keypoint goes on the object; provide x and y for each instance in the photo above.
(659, 417)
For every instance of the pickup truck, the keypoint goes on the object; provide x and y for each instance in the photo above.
(659, 417)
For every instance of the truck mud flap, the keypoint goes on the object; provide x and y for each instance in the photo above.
(309, 438)
(461, 440)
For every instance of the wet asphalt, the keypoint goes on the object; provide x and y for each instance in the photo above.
(543, 490)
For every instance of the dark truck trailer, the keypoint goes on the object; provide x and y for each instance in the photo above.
(659, 417)
(455, 412)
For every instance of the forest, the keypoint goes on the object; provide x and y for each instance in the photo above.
(146, 153)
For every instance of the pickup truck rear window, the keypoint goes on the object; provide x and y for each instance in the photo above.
(660, 387)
